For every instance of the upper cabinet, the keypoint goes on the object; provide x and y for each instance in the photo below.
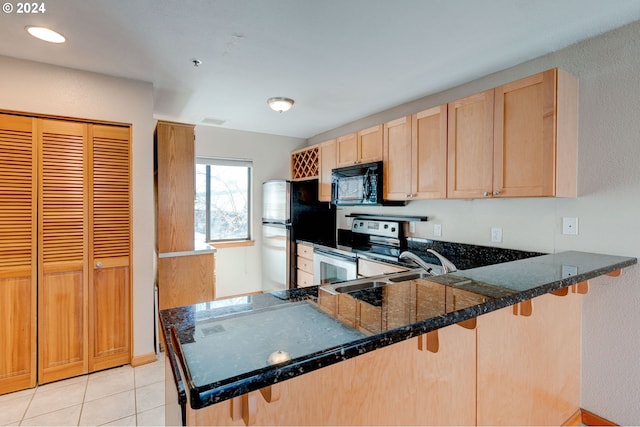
(470, 147)
(360, 147)
(175, 174)
(305, 163)
(535, 136)
(517, 140)
(328, 161)
(415, 156)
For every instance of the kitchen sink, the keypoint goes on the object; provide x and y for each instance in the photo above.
(410, 276)
(351, 287)
(388, 279)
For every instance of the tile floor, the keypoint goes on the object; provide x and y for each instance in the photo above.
(123, 396)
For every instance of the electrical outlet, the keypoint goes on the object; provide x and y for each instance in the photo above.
(569, 271)
(412, 227)
(496, 234)
(437, 230)
(569, 225)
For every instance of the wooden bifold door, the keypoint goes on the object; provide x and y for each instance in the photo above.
(69, 228)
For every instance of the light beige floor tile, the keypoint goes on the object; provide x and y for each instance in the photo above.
(117, 381)
(12, 411)
(149, 374)
(129, 421)
(63, 383)
(149, 397)
(62, 417)
(108, 409)
(17, 394)
(48, 399)
(152, 417)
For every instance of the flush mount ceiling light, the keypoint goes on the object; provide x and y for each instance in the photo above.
(280, 104)
(45, 34)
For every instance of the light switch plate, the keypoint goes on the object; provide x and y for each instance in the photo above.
(437, 230)
(496, 234)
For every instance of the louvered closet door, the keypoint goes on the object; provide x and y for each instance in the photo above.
(17, 254)
(63, 242)
(109, 292)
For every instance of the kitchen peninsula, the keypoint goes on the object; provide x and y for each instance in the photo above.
(492, 345)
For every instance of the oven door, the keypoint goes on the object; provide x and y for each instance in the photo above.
(331, 267)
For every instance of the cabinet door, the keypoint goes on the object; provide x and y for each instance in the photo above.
(524, 137)
(533, 362)
(63, 243)
(17, 253)
(328, 161)
(347, 150)
(370, 144)
(470, 146)
(397, 157)
(429, 154)
(369, 268)
(110, 282)
(176, 186)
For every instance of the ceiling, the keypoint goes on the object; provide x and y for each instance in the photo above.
(340, 60)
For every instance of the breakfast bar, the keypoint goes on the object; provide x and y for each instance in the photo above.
(498, 344)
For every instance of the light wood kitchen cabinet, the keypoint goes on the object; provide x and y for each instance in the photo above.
(518, 140)
(535, 136)
(470, 146)
(305, 163)
(73, 275)
(185, 279)
(415, 156)
(304, 265)
(360, 147)
(175, 176)
(533, 360)
(185, 270)
(328, 161)
(18, 252)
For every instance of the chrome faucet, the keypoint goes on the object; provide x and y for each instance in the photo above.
(415, 258)
(447, 266)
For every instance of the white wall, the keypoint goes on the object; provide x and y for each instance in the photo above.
(238, 269)
(38, 88)
(608, 207)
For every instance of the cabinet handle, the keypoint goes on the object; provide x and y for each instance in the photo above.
(486, 194)
(98, 264)
(496, 193)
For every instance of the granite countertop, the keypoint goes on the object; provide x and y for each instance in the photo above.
(223, 346)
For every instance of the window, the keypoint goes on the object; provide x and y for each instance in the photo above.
(223, 200)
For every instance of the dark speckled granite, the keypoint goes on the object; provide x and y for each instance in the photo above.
(215, 366)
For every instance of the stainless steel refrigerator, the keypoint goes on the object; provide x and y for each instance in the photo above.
(291, 212)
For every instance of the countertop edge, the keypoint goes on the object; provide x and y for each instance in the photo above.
(201, 397)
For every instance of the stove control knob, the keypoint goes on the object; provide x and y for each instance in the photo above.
(386, 226)
(393, 229)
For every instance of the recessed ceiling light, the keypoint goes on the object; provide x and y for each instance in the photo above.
(45, 34)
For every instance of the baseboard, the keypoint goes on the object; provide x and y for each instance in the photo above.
(591, 419)
(575, 419)
(143, 359)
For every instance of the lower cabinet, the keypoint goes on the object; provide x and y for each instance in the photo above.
(529, 363)
(304, 263)
(516, 366)
(396, 385)
(196, 269)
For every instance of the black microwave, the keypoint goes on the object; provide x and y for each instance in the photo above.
(360, 184)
